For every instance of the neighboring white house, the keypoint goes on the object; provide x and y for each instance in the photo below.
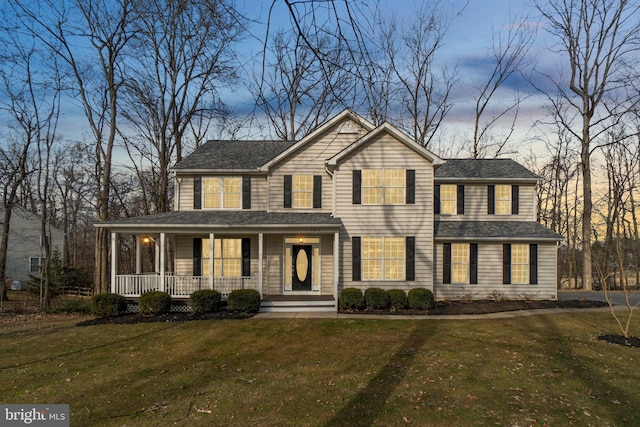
(25, 250)
(350, 205)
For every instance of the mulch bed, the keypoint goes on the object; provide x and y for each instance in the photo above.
(169, 317)
(486, 307)
(621, 340)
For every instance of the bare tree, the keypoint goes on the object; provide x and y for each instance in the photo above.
(181, 59)
(599, 40)
(509, 56)
(424, 88)
(295, 91)
(103, 29)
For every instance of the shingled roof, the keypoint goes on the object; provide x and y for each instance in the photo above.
(212, 220)
(493, 230)
(229, 155)
(500, 169)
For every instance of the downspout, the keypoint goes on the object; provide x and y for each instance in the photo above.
(333, 188)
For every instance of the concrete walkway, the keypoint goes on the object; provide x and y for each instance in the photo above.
(617, 298)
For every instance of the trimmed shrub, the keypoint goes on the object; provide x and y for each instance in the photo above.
(154, 303)
(244, 300)
(350, 298)
(376, 298)
(108, 304)
(421, 299)
(205, 301)
(397, 298)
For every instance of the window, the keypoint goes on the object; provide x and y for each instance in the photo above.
(459, 263)
(383, 186)
(383, 258)
(35, 264)
(222, 193)
(227, 257)
(519, 263)
(448, 196)
(503, 199)
(302, 191)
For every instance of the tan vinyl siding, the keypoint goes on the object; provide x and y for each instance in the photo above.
(309, 161)
(387, 220)
(475, 205)
(490, 276)
(273, 284)
(326, 253)
(184, 255)
(259, 193)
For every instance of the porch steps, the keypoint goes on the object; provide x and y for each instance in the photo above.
(281, 304)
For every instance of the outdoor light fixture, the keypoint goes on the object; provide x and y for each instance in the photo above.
(300, 239)
(148, 239)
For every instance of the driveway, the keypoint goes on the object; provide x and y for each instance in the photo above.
(617, 296)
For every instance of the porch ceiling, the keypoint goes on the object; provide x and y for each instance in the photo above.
(245, 221)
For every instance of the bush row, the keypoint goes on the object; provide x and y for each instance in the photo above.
(156, 302)
(379, 299)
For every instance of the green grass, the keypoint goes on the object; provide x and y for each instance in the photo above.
(536, 370)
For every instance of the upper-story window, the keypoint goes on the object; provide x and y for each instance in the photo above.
(302, 190)
(503, 199)
(222, 193)
(383, 186)
(449, 199)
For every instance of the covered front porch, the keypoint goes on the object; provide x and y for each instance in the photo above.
(300, 260)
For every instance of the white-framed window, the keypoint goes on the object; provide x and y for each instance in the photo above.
(383, 258)
(222, 193)
(302, 191)
(35, 264)
(227, 257)
(383, 186)
(519, 263)
(460, 263)
(503, 199)
(448, 199)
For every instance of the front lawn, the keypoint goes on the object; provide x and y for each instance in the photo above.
(536, 370)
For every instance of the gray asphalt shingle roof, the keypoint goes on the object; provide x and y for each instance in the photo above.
(225, 155)
(484, 168)
(490, 230)
(239, 219)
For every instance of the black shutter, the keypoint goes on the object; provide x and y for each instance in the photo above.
(288, 184)
(410, 260)
(473, 263)
(317, 191)
(246, 192)
(197, 193)
(446, 263)
(533, 264)
(356, 248)
(357, 184)
(460, 201)
(506, 263)
(411, 187)
(246, 256)
(491, 199)
(515, 199)
(197, 256)
(436, 199)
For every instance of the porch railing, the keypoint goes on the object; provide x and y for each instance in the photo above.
(134, 285)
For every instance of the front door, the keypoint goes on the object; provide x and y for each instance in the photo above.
(301, 268)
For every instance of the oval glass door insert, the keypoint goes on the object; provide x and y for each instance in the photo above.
(302, 265)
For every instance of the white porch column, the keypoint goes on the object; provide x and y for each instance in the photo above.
(211, 242)
(138, 254)
(163, 286)
(336, 266)
(156, 262)
(260, 255)
(114, 260)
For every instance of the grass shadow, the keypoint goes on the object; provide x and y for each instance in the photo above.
(363, 409)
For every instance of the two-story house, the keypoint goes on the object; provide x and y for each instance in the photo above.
(350, 205)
